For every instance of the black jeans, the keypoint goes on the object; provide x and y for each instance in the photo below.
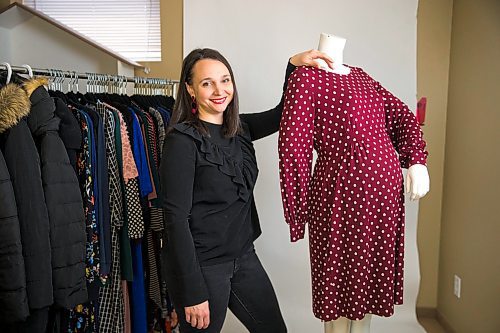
(242, 285)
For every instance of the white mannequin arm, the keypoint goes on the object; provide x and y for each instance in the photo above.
(417, 181)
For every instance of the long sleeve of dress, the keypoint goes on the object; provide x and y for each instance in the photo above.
(295, 147)
(140, 158)
(262, 124)
(177, 172)
(403, 129)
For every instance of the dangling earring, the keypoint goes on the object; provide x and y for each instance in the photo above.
(194, 107)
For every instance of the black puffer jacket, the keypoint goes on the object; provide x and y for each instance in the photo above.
(13, 299)
(69, 130)
(23, 164)
(63, 199)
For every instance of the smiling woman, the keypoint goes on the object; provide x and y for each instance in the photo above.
(211, 89)
(207, 85)
(208, 176)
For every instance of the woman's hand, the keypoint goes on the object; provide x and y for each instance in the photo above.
(198, 315)
(308, 58)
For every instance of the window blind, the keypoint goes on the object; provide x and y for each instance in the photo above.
(128, 27)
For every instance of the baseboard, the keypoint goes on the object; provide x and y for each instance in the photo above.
(425, 312)
(446, 325)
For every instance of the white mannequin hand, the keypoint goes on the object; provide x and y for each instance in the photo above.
(417, 181)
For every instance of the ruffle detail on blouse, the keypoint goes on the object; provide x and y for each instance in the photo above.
(243, 175)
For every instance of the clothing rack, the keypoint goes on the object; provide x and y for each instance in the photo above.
(107, 147)
(96, 82)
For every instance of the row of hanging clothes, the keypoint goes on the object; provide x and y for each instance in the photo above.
(81, 221)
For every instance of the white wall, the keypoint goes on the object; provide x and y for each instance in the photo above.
(4, 40)
(43, 45)
(27, 39)
(258, 37)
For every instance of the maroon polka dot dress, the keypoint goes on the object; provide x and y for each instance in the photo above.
(354, 201)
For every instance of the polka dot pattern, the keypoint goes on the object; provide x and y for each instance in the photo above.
(354, 200)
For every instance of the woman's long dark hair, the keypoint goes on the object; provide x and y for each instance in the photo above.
(182, 108)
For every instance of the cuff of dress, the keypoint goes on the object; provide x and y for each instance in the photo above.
(297, 231)
(419, 157)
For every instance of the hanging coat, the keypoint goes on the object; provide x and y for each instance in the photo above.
(13, 298)
(62, 197)
(23, 164)
(69, 130)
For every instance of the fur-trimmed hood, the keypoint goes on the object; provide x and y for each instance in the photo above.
(42, 117)
(30, 85)
(14, 105)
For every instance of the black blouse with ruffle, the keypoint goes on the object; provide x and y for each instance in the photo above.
(207, 186)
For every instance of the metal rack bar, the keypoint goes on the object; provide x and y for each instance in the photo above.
(96, 82)
(84, 76)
